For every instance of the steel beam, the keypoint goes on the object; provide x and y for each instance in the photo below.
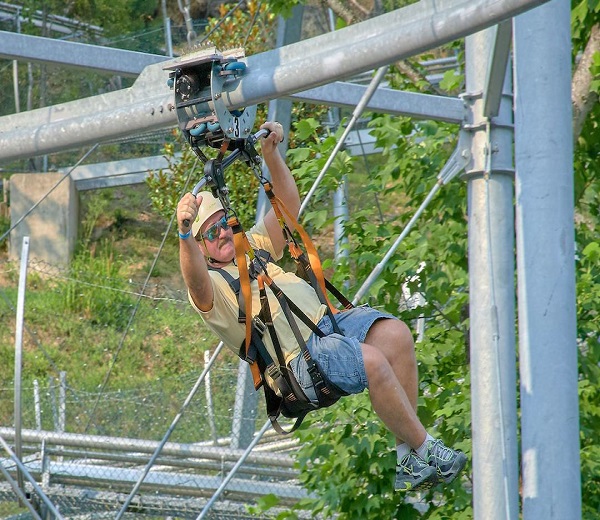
(492, 293)
(118, 444)
(497, 68)
(270, 75)
(386, 101)
(368, 45)
(37, 49)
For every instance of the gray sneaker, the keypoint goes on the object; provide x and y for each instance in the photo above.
(448, 462)
(413, 473)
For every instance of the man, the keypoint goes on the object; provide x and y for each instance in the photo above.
(375, 350)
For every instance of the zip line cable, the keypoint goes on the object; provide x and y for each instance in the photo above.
(455, 164)
(27, 213)
(170, 430)
(137, 304)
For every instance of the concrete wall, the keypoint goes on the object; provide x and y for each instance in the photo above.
(52, 226)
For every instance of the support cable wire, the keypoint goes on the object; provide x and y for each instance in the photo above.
(494, 318)
(54, 272)
(31, 480)
(233, 471)
(137, 303)
(252, 23)
(28, 212)
(220, 22)
(358, 110)
(170, 430)
(455, 164)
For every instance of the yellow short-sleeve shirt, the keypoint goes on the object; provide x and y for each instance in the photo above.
(222, 319)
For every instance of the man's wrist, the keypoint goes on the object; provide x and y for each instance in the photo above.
(185, 236)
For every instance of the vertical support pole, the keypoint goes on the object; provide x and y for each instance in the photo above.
(16, 67)
(167, 24)
(62, 407)
(492, 294)
(340, 214)
(37, 405)
(62, 401)
(246, 400)
(19, 353)
(210, 409)
(244, 410)
(546, 264)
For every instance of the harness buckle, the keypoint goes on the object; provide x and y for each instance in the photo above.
(259, 325)
(273, 371)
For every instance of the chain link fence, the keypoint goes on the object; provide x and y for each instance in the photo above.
(169, 447)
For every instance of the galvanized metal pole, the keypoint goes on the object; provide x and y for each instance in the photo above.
(148, 105)
(19, 352)
(233, 471)
(491, 293)
(546, 264)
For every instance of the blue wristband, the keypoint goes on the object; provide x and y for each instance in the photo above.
(186, 235)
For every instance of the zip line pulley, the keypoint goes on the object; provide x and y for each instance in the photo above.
(200, 81)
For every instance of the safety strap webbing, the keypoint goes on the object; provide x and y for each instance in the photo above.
(295, 251)
(242, 247)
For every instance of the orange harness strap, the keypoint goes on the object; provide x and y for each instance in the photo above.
(242, 247)
(295, 251)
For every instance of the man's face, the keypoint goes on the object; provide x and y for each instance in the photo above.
(216, 239)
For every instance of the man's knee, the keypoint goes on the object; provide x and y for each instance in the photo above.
(392, 333)
(376, 364)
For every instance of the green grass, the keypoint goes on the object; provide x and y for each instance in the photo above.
(90, 322)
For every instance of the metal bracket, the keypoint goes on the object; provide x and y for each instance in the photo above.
(459, 159)
(199, 81)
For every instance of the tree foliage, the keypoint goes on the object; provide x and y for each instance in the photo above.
(346, 456)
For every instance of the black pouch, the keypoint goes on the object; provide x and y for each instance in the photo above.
(293, 402)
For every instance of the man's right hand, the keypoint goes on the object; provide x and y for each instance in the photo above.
(187, 209)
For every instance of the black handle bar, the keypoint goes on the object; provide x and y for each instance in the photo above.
(208, 179)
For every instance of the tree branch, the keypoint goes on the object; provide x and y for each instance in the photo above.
(582, 97)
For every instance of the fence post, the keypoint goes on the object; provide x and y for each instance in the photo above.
(209, 403)
(19, 353)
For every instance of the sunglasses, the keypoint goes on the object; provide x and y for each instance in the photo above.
(213, 232)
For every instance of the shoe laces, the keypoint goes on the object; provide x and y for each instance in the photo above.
(439, 450)
(410, 461)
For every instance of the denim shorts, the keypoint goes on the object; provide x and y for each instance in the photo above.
(339, 357)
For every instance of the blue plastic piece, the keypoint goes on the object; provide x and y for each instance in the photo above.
(171, 82)
(214, 126)
(198, 130)
(235, 65)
